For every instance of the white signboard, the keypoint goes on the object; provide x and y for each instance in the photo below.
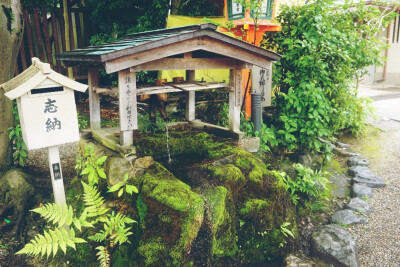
(261, 82)
(48, 117)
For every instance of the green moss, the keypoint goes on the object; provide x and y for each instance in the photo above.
(226, 173)
(255, 169)
(184, 142)
(153, 251)
(161, 187)
(222, 222)
(142, 208)
(254, 207)
(334, 166)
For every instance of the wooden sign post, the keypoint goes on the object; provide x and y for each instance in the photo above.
(47, 111)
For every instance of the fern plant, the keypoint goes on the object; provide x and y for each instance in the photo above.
(93, 201)
(50, 242)
(115, 231)
(103, 256)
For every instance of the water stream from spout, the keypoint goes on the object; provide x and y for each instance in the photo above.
(168, 149)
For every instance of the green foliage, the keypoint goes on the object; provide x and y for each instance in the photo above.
(146, 125)
(56, 214)
(91, 165)
(50, 242)
(82, 122)
(115, 229)
(267, 134)
(93, 201)
(308, 183)
(323, 52)
(20, 151)
(123, 186)
(103, 256)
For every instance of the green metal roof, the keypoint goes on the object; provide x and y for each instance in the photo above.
(143, 41)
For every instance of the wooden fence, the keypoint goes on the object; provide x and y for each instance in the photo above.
(44, 36)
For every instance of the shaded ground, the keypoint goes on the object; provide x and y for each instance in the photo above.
(379, 240)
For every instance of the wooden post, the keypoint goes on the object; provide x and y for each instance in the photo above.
(94, 100)
(56, 176)
(66, 32)
(235, 99)
(127, 106)
(190, 97)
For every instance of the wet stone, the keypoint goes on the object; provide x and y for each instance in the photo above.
(361, 190)
(342, 145)
(358, 205)
(363, 174)
(293, 260)
(347, 217)
(335, 245)
(357, 161)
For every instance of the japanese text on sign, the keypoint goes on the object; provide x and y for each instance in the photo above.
(51, 124)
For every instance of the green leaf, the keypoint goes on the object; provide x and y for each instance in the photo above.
(101, 173)
(101, 160)
(115, 187)
(120, 192)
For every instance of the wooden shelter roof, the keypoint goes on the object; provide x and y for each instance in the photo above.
(135, 45)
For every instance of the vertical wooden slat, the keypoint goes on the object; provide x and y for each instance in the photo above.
(28, 30)
(78, 30)
(46, 32)
(94, 100)
(72, 39)
(190, 97)
(62, 28)
(55, 37)
(71, 32)
(23, 54)
(16, 71)
(235, 99)
(127, 106)
(38, 33)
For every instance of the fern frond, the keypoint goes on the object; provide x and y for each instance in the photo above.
(93, 201)
(54, 213)
(115, 227)
(98, 237)
(50, 242)
(103, 256)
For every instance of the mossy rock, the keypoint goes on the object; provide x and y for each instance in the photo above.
(184, 142)
(173, 217)
(222, 220)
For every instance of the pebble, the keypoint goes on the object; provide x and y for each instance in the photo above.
(379, 241)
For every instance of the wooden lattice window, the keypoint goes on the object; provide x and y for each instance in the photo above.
(235, 10)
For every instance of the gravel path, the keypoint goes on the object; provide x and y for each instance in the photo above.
(379, 240)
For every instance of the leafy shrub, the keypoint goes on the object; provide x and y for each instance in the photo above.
(308, 184)
(91, 165)
(20, 150)
(323, 52)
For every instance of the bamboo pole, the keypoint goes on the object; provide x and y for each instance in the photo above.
(67, 40)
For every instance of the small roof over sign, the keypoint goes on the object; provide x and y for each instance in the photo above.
(33, 76)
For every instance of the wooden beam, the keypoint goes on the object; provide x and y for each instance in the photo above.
(190, 97)
(203, 43)
(94, 100)
(127, 106)
(235, 96)
(192, 64)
